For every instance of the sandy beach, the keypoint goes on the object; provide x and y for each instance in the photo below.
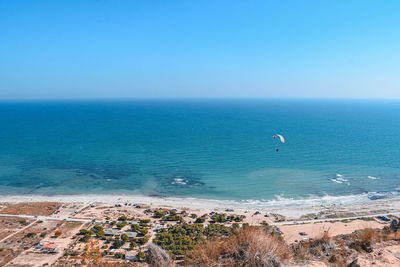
(305, 209)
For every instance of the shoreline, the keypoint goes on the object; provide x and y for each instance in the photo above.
(324, 207)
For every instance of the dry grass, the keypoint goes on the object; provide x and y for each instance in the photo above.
(9, 225)
(207, 254)
(32, 208)
(67, 228)
(370, 235)
(363, 240)
(319, 247)
(116, 264)
(250, 247)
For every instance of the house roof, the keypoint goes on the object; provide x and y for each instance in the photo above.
(131, 234)
(50, 245)
(112, 232)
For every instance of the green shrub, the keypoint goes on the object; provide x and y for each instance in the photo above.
(133, 244)
(85, 231)
(200, 220)
(124, 237)
(30, 235)
(142, 241)
(23, 222)
(121, 225)
(179, 239)
(97, 228)
(173, 218)
(85, 237)
(119, 255)
(143, 231)
(140, 255)
(122, 218)
(118, 243)
(159, 214)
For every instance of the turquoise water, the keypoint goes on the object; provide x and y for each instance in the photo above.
(215, 149)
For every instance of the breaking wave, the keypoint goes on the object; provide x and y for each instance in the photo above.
(340, 179)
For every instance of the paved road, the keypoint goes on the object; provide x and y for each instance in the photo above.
(43, 218)
(276, 223)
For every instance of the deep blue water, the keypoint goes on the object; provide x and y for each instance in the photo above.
(218, 149)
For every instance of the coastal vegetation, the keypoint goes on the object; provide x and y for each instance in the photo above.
(179, 239)
(161, 237)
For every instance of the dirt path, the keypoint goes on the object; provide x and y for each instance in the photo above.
(20, 230)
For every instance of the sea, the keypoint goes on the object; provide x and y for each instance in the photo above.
(215, 149)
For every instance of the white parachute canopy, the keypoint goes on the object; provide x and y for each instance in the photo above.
(280, 137)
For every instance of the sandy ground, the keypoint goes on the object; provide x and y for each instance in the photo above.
(10, 225)
(31, 208)
(313, 230)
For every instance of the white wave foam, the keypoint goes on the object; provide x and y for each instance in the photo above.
(373, 177)
(179, 181)
(279, 202)
(340, 179)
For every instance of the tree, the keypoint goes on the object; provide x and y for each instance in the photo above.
(118, 243)
(121, 225)
(100, 234)
(122, 218)
(140, 255)
(143, 231)
(124, 237)
(85, 231)
(200, 220)
(86, 238)
(135, 227)
(97, 228)
(158, 214)
(142, 241)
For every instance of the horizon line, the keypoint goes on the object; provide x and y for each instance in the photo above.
(188, 98)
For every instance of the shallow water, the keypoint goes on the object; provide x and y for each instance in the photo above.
(216, 149)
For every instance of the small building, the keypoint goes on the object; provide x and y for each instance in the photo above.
(50, 247)
(131, 256)
(112, 232)
(131, 235)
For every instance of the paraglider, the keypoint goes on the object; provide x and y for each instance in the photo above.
(280, 138)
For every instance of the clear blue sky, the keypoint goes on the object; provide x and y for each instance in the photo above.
(104, 49)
